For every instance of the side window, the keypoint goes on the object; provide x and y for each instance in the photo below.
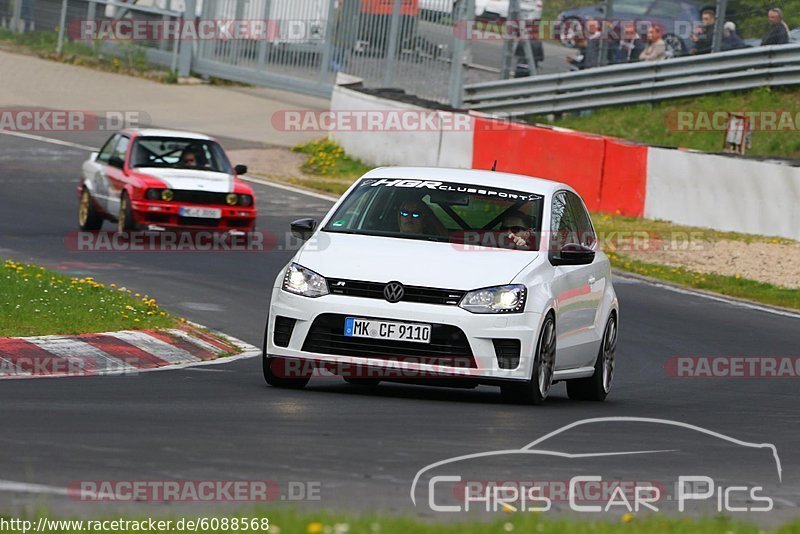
(586, 234)
(105, 152)
(121, 148)
(563, 226)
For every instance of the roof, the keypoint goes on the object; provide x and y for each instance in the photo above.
(503, 180)
(153, 132)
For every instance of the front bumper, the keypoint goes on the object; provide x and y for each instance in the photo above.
(479, 329)
(167, 215)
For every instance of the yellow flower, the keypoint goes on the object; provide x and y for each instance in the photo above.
(627, 518)
(314, 527)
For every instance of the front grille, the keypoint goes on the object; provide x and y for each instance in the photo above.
(197, 221)
(374, 290)
(448, 346)
(507, 352)
(283, 331)
(199, 197)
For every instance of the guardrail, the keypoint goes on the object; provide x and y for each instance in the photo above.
(638, 82)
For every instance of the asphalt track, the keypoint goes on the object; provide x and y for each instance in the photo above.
(364, 446)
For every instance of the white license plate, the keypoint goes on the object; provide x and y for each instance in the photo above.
(415, 332)
(203, 213)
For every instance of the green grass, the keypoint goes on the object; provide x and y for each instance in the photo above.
(327, 158)
(649, 124)
(282, 521)
(130, 58)
(35, 301)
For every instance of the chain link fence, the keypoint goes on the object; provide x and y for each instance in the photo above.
(292, 44)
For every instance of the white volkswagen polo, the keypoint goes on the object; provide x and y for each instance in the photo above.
(448, 277)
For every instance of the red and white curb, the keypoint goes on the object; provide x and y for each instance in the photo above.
(126, 352)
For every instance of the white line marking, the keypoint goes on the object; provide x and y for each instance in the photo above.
(24, 487)
(47, 140)
(156, 347)
(718, 298)
(278, 185)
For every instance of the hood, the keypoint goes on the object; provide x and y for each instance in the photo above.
(193, 180)
(411, 262)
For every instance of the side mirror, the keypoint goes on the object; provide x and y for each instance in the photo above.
(573, 254)
(116, 161)
(240, 169)
(303, 228)
(93, 156)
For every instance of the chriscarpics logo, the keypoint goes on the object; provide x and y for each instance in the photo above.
(609, 465)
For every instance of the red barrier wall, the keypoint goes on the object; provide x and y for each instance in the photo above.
(608, 174)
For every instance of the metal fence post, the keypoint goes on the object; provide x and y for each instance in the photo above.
(391, 48)
(262, 45)
(327, 43)
(62, 23)
(461, 40)
(509, 44)
(90, 15)
(186, 47)
(17, 17)
(602, 60)
(722, 7)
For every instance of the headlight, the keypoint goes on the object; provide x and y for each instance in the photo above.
(302, 281)
(500, 299)
(153, 194)
(245, 200)
(167, 195)
(231, 199)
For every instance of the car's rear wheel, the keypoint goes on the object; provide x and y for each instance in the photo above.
(598, 386)
(125, 221)
(536, 390)
(89, 220)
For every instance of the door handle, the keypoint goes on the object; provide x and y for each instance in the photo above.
(592, 280)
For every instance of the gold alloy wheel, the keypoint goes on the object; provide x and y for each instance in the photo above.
(123, 210)
(83, 210)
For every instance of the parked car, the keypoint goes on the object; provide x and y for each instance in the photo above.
(146, 179)
(459, 276)
(485, 9)
(676, 17)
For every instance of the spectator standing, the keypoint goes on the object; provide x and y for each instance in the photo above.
(730, 39)
(656, 48)
(629, 46)
(778, 30)
(703, 36)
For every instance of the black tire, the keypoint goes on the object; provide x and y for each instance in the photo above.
(270, 364)
(598, 386)
(125, 222)
(363, 382)
(536, 390)
(89, 220)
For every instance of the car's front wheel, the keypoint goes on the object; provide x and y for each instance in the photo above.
(125, 221)
(89, 220)
(536, 390)
(277, 373)
(598, 386)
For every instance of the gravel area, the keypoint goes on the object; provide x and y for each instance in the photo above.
(772, 263)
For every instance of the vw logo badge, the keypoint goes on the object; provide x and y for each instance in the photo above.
(393, 292)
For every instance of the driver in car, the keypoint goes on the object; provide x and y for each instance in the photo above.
(516, 229)
(414, 217)
(189, 158)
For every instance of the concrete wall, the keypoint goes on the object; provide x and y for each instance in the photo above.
(723, 193)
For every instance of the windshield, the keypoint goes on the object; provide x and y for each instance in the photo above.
(441, 211)
(177, 153)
